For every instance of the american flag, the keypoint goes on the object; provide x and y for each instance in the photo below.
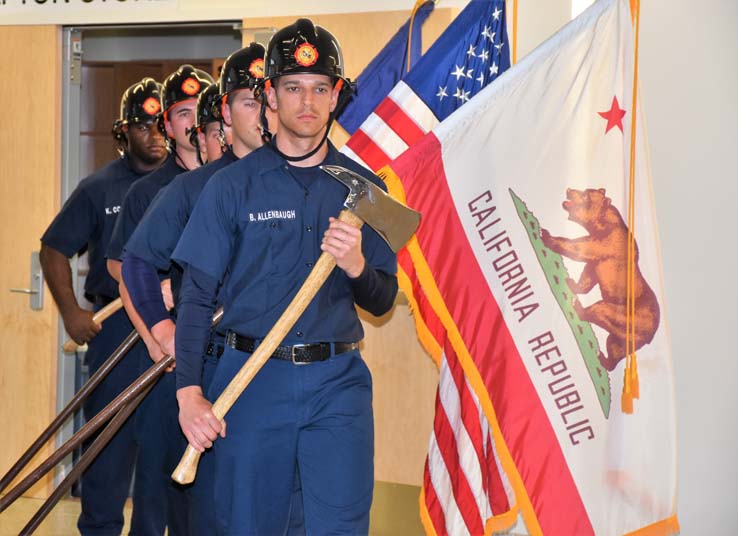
(386, 69)
(465, 489)
(472, 52)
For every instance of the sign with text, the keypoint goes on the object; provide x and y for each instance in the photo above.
(84, 11)
(79, 12)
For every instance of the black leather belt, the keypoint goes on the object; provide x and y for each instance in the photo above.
(215, 345)
(298, 353)
(214, 349)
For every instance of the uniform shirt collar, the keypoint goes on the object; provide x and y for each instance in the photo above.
(274, 160)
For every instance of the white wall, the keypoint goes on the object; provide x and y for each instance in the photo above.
(538, 20)
(689, 55)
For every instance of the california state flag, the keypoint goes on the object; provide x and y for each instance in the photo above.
(556, 396)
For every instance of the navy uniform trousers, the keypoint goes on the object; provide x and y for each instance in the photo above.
(158, 500)
(200, 494)
(183, 510)
(107, 481)
(158, 432)
(315, 419)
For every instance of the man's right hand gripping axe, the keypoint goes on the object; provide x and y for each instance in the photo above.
(365, 203)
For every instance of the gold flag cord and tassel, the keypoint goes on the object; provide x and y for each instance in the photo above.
(631, 387)
(416, 7)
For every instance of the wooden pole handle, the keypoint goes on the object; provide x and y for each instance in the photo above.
(186, 471)
(84, 462)
(70, 408)
(142, 382)
(99, 317)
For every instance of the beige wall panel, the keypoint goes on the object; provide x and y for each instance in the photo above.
(29, 198)
(405, 378)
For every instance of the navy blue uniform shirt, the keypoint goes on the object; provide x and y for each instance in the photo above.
(150, 247)
(261, 222)
(161, 226)
(87, 219)
(136, 202)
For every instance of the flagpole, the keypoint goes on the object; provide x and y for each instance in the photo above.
(417, 5)
(514, 39)
(631, 388)
(515, 33)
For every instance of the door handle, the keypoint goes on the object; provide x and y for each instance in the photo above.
(36, 288)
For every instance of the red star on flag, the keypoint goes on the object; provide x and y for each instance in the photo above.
(614, 116)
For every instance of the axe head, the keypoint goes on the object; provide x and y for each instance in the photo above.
(394, 222)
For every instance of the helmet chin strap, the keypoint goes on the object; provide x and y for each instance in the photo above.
(195, 141)
(266, 136)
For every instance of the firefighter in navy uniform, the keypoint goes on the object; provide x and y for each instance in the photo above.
(208, 136)
(167, 500)
(86, 222)
(149, 249)
(264, 221)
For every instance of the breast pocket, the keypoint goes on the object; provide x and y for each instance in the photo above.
(285, 246)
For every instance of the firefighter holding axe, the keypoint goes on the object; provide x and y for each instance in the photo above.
(269, 221)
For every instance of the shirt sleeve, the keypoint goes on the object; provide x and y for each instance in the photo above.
(144, 289)
(208, 239)
(376, 287)
(374, 290)
(75, 224)
(194, 318)
(156, 235)
(130, 214)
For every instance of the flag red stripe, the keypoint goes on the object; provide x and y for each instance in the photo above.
(367, 150)
(399, 121)
(434, 324)
(469, 412)
(496, 489)
(435, 511)
(523, 421)
(460, 486)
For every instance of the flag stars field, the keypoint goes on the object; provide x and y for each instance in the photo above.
(454, 67)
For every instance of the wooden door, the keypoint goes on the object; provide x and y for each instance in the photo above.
(30, 179)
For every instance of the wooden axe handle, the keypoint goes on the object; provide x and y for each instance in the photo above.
(99, 317)
(187, 468)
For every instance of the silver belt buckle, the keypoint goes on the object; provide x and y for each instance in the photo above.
(294, 347)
